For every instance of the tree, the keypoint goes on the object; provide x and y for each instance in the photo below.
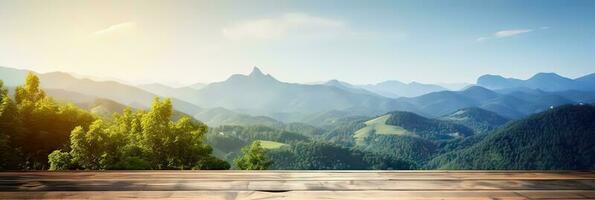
(93, 149)
(170, 145)
(42, 125)
(155, 133)
(329, 156)
(33, 126)
(30, 91)
(8, 154)
(253, 158)
(143, 140)
(211, 163)
(59, 160)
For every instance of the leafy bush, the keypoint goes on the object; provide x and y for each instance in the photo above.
(59, 160)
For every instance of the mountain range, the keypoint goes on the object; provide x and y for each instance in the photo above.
(514, 104)
(550, 82)
(396, 89)
(72, 88)
(260, 95)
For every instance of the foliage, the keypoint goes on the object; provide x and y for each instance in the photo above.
(212, 163)
(36, 132)
(228, 140)
(405, 147)
(326, 156)
(33, 126)
(480, 120)
(378, 126)
(7, 122)
(60, 160)
(304, 129)
(95, 148)
(36, 125)
(561, 138)
(259, 132)
(132, 163)
(253, 158)
(427, 128)
(144, 140)
(170, 145)
(341, 132)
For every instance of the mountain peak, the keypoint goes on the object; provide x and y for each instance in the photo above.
(256, 72)
(333, 82)
(547, 75)
(489, 78)
(476, 88)
(255, 75)
(479, 90)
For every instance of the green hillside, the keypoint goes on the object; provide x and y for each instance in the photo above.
(560, 138)
(480, 120)
(428, 128)
(327, 156)
(412, 148)
(378, 126)
(408, 136)
(228, 140)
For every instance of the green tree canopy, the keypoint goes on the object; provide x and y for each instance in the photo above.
(60, 160)
(253, 158)
(7, 122)
(37, 125)
(143, 140)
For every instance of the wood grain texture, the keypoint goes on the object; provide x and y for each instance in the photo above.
(298, 185)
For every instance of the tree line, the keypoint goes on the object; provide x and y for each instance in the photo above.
(37, 133)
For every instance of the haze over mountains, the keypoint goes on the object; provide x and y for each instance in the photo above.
(396, 89)
(550, 82)
(260, 94)
(390, 125)
(75, 87)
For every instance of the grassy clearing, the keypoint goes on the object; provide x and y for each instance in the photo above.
(271, 144)
(378, 126)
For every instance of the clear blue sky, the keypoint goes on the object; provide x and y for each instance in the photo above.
(182, 42)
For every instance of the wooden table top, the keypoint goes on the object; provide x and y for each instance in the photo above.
(346, 185)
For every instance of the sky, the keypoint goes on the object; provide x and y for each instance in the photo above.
(184, 42)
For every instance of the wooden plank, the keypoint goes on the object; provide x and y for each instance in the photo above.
(298, 185)
(202, 175)
(283, 185)
(301, 195)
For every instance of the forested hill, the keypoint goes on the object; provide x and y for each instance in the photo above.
(480, 120)
(560, 138)
(428, 128)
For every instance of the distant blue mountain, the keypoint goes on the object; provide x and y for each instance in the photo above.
(396, 89)
(12, 77)
(262, 94)
(349, 87)
(550, 82)
(587, 81)
(511, 104)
